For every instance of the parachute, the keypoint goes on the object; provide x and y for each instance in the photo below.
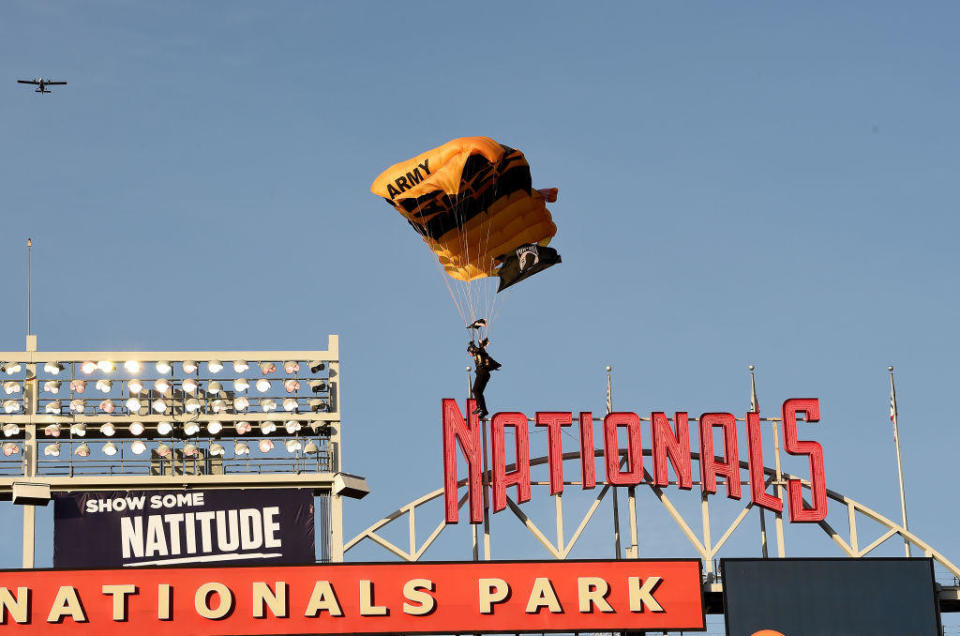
(472, 202)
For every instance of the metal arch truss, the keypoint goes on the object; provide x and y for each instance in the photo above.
(849, 541)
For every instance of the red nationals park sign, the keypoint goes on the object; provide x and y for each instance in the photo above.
(371, 598)
(670, 447)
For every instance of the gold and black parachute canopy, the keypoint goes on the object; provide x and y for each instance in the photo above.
(472, 202)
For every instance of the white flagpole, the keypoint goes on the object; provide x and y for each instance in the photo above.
(896, 439)
(755, 408)
(616, 505)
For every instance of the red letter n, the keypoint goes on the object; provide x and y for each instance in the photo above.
(455, 431)
(672, 446)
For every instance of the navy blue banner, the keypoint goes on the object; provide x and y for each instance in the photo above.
(177, 527)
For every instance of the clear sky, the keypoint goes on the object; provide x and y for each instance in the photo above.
(771, 183)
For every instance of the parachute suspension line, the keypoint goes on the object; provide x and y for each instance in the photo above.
(489, 298)
(441, 271)
(466, 303)
(483, 295)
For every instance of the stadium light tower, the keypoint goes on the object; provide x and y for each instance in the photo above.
(84, 421)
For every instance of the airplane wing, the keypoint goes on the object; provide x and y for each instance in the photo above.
(54, 83)
(34, 82)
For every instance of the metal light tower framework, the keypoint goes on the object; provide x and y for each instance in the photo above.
(164, 420)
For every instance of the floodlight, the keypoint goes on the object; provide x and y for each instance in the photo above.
(353, 486)
(291, 366)
(135, 386)
(164, 428)
(268, 427)
(263, 385)
(318, 385)
(290, 405)
(78, 429)
(110, 449)
(163, 450)
(190, 385)
(11, 406)
(318, 406)
(106, 366)
(25, 493)
(11, 367)
(291, 385)
(191, 428)
(10, 429)
(161, 386)
(138, 447)
(107, 406)
(192, 405)
(52, 407)
(52, 450)
(316, 366)
(265, 446)
(241, 448)
(104, 385)
(241, 404)
(52, 430)
(53, 368)
(311, 448)
(159, 406)
(242, 427)
(189, 366)
(11, 386)
(78, 406)
(51, 386)
(292, 426)
(216, 449)
(78, 386)
(163, 367)
(214, 427)
(268, 367)
(215, 366)
(10, 448)
(240, 366)
(293, 445)
(137, 428)
(133, 366)
(189, 450)
(214, 387)
(82, 450)
(88, 367)
(268, 405)
(108, 429)
(241, 384)
(134, 405)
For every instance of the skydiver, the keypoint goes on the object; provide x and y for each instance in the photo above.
(483, 364)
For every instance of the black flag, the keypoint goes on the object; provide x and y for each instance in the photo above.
(524, 262)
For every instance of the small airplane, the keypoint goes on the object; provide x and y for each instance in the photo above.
(42, 83)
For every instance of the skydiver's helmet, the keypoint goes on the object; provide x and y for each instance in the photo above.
(472, 348)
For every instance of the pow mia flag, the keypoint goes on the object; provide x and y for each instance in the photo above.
(524, 262)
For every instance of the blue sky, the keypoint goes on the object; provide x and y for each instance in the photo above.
(752, 182)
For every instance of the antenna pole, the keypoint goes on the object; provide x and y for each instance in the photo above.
(29, 286)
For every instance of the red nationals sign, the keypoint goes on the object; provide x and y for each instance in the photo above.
(372, 598)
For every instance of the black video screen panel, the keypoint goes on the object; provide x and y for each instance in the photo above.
(830, 597)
